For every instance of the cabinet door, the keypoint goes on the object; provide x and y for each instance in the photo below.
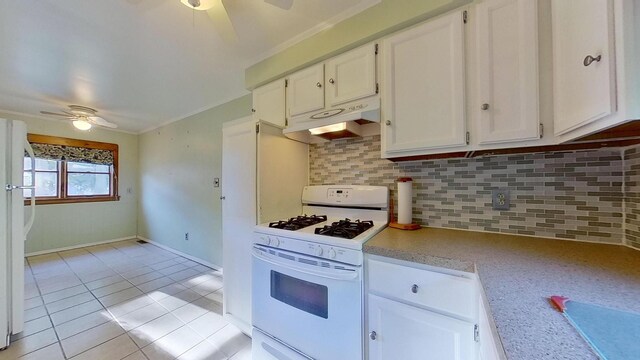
(305, 92)
(507, 58)
(424, 87)
(268, 103)
(409, 333)
(583, 89)
(351, 76)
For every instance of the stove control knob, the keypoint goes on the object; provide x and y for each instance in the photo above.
(275, 242)
(319, 251)
(268, 241)
(332, 253)
(264, 240)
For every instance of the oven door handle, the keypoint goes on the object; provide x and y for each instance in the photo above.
(334, 274)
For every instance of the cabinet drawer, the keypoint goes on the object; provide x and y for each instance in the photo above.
(448, 293)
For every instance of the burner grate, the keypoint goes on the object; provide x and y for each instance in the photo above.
(345, 228)
(298, 222)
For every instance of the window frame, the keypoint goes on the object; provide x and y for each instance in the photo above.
(63, 197)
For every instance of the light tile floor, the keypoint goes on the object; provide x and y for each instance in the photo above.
(124, 300)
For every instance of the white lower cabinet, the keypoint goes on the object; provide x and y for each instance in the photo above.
(400, 331)
(416, 312)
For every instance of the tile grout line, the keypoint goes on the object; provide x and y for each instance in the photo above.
(114, 318)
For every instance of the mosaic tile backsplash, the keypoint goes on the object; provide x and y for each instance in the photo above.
(632, 196)
(568, 195)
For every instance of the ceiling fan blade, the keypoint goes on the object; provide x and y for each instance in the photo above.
(70, 116)
(282, 4)
(222, 22)
(97, 120)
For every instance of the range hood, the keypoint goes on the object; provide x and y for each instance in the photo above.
(338, 122)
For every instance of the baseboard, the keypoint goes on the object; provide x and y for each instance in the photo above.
(78, 246)
(185, 255)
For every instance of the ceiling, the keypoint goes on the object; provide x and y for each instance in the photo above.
(143, 63)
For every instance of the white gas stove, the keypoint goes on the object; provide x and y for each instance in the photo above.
(307, 278)
(337, 218)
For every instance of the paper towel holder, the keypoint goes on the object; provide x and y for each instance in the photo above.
(392, 222)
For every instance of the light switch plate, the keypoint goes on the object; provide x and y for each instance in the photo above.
(501, 199)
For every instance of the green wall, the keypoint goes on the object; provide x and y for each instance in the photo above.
(381, 19)
(66, 225)
(178, 163)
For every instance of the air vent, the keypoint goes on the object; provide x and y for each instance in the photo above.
(288, 257)
(308, 262)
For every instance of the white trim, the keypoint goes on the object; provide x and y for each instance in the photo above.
(194, 112)
(185, 255)
(42, 252)
(49, 118)
(354, 10)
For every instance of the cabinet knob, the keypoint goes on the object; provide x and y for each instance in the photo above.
(318, 85)
(373, 335)
(388, 122)
(484, 107)
(414, 289)
(331, 81)
(222, 197)
(590, 59)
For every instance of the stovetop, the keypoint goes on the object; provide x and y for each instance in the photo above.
(339, 218)
(298, 222)
(345, 228)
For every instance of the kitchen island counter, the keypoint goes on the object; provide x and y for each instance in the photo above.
(519, 273)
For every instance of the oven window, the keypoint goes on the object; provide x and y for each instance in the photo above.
(304, 295)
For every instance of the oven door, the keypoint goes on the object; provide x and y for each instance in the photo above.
(308, 303)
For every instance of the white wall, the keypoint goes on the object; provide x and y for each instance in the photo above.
(65, 225)
(178, 163)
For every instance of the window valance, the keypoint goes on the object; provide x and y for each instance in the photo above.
(73, 150)
(73, 154)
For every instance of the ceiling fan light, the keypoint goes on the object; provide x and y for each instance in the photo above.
(204, 4)
(82, 125)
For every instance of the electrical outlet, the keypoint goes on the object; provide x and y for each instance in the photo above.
(216, 182)
(186, 236)
(500, 199)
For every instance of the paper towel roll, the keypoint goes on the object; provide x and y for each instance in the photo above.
(405, 201)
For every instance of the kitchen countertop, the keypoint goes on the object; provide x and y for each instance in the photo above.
(518, 275)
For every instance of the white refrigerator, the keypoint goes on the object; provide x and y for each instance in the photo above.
(14, 225)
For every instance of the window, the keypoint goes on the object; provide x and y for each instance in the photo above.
(69, 170)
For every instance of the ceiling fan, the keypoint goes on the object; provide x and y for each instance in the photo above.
(83, 117)
(220, 16)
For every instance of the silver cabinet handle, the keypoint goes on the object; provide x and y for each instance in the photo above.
(414, 289)
(388, 122)
(331, 81)
(588, 60)
(373, 335)
(318, 85)
(484, 107)
(223, 197)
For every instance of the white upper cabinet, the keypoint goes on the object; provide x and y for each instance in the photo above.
(269, 103)
(424, 88)
(507, 105)
(305, 91)
(583, 61)
(351, 76)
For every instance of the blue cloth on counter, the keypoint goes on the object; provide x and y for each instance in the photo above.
(614, 334)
